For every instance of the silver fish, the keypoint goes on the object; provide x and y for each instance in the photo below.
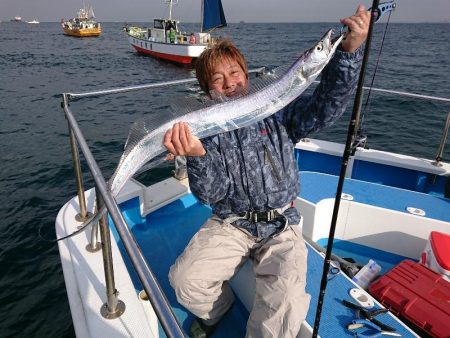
(232, 113)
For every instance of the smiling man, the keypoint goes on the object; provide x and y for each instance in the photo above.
(249, 177)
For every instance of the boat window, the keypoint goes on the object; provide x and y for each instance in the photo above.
(158, 24)
(171, 24)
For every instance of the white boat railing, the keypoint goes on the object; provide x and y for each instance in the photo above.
(75, 96)
(440, 152)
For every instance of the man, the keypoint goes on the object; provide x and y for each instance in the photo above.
(249, 177)
(172, 35)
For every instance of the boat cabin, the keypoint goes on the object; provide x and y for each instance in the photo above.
(160, 29)
(165, 24)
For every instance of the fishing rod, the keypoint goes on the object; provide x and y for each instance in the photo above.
(345, 158)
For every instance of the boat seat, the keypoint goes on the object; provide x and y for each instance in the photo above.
(318, 186)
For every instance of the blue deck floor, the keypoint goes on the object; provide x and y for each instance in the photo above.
(164, 234)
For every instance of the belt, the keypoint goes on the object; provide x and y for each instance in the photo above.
(265, 216)
(262, 216)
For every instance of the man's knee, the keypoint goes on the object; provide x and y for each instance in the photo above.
(179, 281)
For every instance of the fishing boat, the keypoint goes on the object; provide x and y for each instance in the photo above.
(386, 211)
(34, 22)
(84, 25)
(16, 19)
(166, 40)
(390, 206)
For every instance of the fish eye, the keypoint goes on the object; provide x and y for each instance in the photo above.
(319, 47)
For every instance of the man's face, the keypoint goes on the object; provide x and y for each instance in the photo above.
(228, 78)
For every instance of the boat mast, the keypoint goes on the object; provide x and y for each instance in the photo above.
(201, 15)
(170, 2)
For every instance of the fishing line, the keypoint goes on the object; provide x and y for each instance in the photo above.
(366, 106)
(92, 220)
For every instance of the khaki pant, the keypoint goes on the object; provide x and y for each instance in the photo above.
(215, 254)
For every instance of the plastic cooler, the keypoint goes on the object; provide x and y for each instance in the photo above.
(416, 293)
(437, 253)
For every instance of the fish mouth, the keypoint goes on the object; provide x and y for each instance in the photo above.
(331, 43)
(336, 41)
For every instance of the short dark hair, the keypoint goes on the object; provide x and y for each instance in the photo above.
(207, 61)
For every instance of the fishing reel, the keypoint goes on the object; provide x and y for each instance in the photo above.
(384, 7)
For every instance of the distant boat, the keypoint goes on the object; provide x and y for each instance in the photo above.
(17, 19)
(164, 40)
(34, 21)
(84, 25)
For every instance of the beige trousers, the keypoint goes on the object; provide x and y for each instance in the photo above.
(217, 251)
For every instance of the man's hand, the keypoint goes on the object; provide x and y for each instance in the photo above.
(179, 141)
(358, 25)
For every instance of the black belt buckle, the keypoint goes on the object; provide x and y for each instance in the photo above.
(266, 216)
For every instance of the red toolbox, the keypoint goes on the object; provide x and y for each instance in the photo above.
(414, 292)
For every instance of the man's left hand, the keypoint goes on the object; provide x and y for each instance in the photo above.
(358, 25)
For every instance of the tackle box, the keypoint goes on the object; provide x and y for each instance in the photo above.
(414, 292)
(437, 253)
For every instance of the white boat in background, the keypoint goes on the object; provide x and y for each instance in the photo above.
(17, 19)
(179, 47)
(391, 204)
(34, 21)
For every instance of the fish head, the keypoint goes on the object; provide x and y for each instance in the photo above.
(316, 58)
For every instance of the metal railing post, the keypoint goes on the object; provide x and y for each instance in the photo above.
(83, 214)
(113, 307)
(94, 245)
(440, 152)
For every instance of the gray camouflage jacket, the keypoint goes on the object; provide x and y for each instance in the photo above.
(253, 168)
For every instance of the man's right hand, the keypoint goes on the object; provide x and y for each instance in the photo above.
(179, 141)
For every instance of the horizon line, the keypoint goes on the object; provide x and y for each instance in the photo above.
(233, 22)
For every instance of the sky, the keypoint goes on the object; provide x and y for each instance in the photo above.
(235, 10)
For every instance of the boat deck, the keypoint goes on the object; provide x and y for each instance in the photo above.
(318, 186)
(167, 231)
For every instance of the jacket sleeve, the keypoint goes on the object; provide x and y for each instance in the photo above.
(208, 178)
(307, 114)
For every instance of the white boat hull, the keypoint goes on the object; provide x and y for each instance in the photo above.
(183, 53)
(85, 283)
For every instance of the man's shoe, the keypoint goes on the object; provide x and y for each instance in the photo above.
(199, 329)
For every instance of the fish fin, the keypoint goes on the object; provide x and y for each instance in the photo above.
(181, 105)
(267, 78)
(155, 162)
(146, 124)
(178, 107)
